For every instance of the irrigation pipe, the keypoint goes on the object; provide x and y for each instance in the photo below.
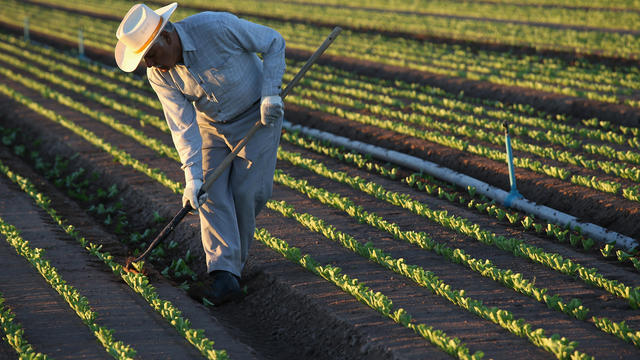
(596, 232)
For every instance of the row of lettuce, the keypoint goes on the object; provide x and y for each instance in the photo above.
(617, 136)
(470, 199)
(410, 5)
(611, 285)
(440, 117)
(561, 347)
(511, 25)
(581, 79)
(140, 283)
(164, 149)
(13, 334)
(119, 155)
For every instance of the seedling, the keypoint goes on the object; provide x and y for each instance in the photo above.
(157, 218)
(587, 243)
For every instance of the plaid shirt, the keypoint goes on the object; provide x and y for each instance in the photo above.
(221, 77)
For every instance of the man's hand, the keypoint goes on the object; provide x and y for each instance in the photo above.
(271, 110)
(190, 194)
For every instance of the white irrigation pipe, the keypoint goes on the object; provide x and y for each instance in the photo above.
(596, 232)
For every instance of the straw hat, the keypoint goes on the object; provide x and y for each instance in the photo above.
(138, 31)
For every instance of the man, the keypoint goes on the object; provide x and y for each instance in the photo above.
(213, 88)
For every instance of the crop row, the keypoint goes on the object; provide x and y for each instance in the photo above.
(78, 303)
(466, 227)
(138, 282)
(596, 4)
(607, 186)
(553, 5)
(366, 89)
(619, 291)
(451, 60)
(14, 334)
(407, 14)
(457, 28)
(436, 336)
(473, 201)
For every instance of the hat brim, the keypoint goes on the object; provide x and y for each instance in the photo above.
(126, 58)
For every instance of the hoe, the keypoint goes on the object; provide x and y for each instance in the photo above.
(229, 158)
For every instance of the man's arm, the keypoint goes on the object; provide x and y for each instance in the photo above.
(251, 37)
(181, 119)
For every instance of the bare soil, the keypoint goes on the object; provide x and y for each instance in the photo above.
(620, 215)
(281, 317)
(290, 313)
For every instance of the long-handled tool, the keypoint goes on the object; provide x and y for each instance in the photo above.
(229, 158)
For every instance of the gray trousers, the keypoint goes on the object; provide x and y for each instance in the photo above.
(228, 217)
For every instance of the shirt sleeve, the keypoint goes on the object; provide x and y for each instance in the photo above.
(252, 37)
(181, 119)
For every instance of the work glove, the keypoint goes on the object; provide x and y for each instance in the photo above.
(271, 110)
(190, 194)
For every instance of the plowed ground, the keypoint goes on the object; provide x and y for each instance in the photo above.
(288, 312)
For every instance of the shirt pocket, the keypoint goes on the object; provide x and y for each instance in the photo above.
(221, 81)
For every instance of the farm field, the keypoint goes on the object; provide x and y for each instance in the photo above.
(354, 257)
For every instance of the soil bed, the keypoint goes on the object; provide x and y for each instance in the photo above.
(284, 313)
(619, 215)
(589, 205)
(290, 313)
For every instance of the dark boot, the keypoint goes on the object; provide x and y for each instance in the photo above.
(225, 287)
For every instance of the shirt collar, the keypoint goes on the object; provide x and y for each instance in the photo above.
(185, 39)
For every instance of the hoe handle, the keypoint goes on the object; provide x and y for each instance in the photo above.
(239, 146)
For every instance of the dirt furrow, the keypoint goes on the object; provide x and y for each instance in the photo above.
(545, 277)
(282, 317)
(49, 324)
(119, 308)
(491, 293)
(591, 258)
(586, 204)
(153, 132)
